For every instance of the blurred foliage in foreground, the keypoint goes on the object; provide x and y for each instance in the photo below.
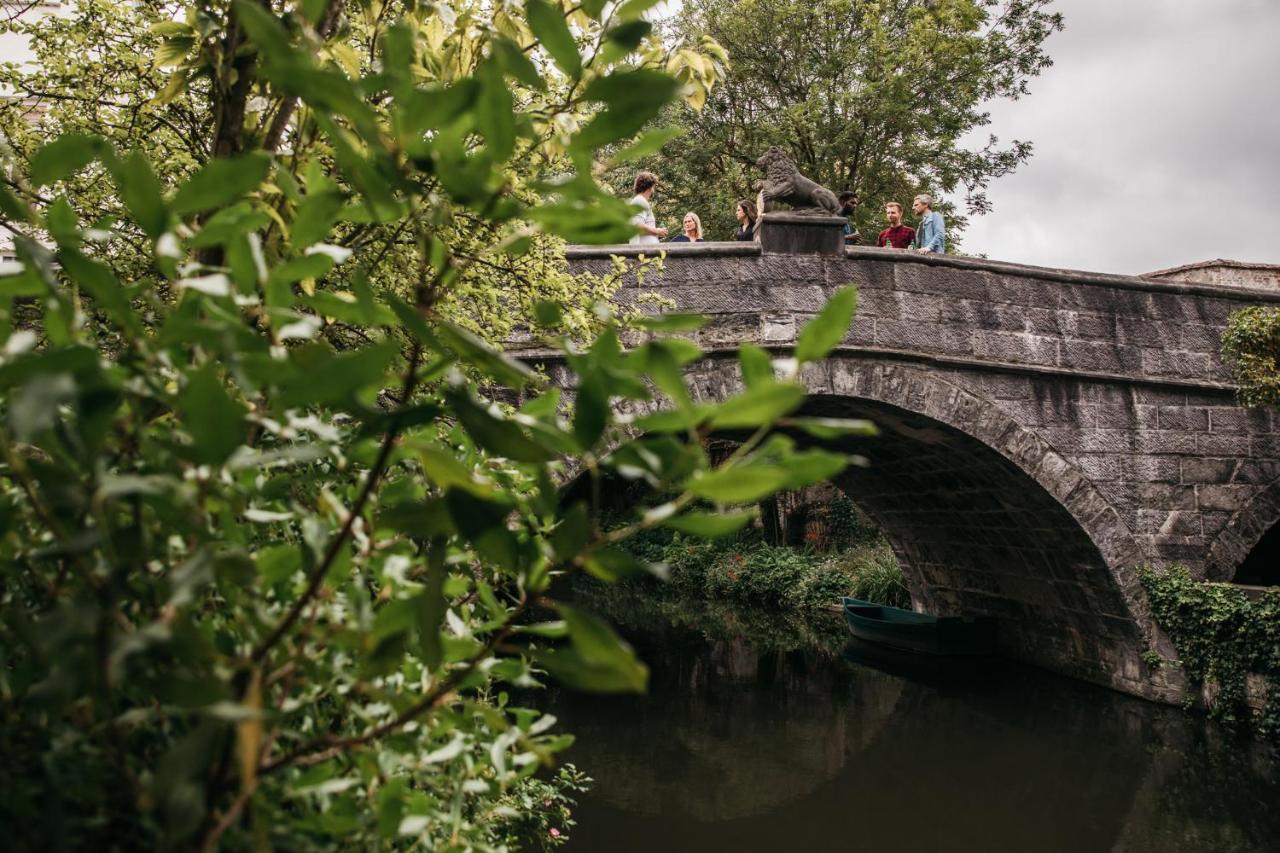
(266, 585)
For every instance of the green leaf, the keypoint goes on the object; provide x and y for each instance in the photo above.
(391, 807)
(548, 24)
(830, 428)
(633, 9)
(633, 98)
(648, 144)
(598, 660)
(628, 34)
(671, 323)
(100, 282)
(64, 156)
(812, 466)
(573, 532)
(614, 564)
(72, 359)
(141, 192)
(484, 522)
(494, 111)
(497, 435)
(215, 421)
(13, 207)
(277, 563)
(423, 519)
(757, 365)
(444, 469)
(491, 362)
(710, 525)
(343, 374)
(757, 406)
(591, 413)
(220, 182)
(594, 8)
(740, 483)
(825, 331)
(547, 314)
(432, 607)
(33, 408)
(432, 109)
(515, 63)
(315, 216)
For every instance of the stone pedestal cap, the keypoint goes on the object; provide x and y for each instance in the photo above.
(801, 234)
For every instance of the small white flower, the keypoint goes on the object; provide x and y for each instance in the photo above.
(338, 253)
(19, 342)
(259, 262)
(167, 246)
(97, 235)
(215, 284)
(301, 329)
(264, 516)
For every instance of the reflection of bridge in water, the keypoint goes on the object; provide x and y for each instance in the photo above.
(742, 746)
(1043, 433)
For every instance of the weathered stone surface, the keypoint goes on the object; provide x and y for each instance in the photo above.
(1043, 432)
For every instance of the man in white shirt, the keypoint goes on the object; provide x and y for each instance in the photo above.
(645, 184)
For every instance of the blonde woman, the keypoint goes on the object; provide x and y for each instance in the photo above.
(692, 230)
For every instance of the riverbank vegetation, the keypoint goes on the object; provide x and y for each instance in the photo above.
(852, 559)
(1223, 637)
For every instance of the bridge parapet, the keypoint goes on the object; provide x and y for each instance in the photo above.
(963, 310)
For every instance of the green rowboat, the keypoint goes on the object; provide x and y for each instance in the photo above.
(920, 632)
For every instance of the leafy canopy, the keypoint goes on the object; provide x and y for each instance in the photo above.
(266, 585)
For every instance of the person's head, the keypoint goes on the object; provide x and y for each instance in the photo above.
(922, 203)
(745, 212)
(645, 184)
(893, 212)
(848, 201)
(692, 226)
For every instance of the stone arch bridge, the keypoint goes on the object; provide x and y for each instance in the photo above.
(1043, 433)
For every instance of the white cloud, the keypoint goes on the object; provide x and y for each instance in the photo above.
(1157, 135)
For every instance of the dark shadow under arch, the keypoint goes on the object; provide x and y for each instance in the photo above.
(978, 535)
(1248, 540)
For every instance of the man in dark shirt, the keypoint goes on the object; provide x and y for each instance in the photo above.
(897, 235)
(849, 204)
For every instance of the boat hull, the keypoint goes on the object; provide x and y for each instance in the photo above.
(949, 636)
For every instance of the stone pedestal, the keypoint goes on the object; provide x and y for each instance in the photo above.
(801, 234)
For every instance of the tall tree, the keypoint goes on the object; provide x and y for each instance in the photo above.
(873, 97)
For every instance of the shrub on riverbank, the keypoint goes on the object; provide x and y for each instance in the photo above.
(748, 571)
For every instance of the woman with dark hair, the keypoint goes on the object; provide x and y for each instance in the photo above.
(746, 215)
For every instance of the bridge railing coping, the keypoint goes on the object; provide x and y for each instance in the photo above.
(737, 249)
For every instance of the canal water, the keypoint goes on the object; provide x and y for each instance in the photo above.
(763, 734)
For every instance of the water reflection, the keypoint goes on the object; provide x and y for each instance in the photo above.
(772, 740)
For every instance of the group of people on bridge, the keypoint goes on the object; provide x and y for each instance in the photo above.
(930, 235)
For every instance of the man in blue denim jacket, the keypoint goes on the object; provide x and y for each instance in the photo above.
(931, 236)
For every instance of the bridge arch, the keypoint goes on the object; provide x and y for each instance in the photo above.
(986, 517)
(1253, 526)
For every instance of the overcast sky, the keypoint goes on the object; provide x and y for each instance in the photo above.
(1157, 140)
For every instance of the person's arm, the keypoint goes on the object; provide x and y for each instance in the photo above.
(644, 227)
(937, 240)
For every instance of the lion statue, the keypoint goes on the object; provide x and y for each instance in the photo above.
(784, 183)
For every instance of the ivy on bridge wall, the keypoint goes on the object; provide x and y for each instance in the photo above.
(1222, 637)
